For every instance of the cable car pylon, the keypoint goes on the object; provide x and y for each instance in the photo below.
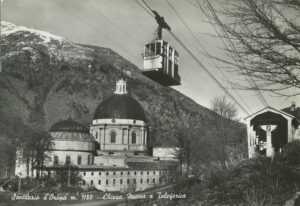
(160, 59)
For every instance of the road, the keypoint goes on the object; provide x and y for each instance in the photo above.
(117, 202)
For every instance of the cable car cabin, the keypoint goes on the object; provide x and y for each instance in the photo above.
(161, 63)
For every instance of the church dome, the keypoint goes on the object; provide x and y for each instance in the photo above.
(70, 130)
(120, 106)
(69, 125)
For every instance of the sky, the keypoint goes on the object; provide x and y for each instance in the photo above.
(125, 27)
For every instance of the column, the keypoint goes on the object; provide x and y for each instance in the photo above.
(104, 134)
(145, 138)
(128, 137)
(290, 136)
(269, 129)
(123, 133)
(142, 136)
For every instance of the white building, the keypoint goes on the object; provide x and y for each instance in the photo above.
(270, 129)
(165, 153)
(112, 154)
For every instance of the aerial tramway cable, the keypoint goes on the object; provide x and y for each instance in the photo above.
(198, 62)
(144, 8)
(206, 52)
(95, 29)
(113, 23)
(251, 81)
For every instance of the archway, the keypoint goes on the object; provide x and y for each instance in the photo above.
(279, 135)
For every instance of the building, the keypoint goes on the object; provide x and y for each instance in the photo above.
(270, 129)
(166, 153)
(112, 154)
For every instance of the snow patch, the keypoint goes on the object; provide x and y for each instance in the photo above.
(8, 28)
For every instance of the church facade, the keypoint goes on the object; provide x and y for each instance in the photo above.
(111, 155)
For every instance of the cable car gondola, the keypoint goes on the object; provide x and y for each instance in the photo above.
(161, 59)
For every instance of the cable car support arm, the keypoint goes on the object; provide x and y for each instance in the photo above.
(162, 24)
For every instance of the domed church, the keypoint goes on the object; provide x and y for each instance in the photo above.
(72, 143)
(119, 124)
(111, 155)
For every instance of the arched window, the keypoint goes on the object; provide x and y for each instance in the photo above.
(133, 138)
(113, 137)
(79, 160)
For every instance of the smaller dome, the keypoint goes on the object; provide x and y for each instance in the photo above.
(70, 130)
(69, 125)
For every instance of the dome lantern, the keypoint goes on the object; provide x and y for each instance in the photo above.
(121, 87)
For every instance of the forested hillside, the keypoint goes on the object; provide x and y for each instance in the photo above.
(46, 78)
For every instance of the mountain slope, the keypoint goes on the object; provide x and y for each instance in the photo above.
(46, 78)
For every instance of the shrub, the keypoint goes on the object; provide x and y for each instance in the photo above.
(292, 152)
(258, 181)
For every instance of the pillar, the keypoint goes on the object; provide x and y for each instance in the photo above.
(269, 129)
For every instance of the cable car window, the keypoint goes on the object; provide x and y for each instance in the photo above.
(158, 47)
(176, 71)
(170, 53)
(176, 57)
(170, 68)
(176, 54)
(147, 50)
(152, 47)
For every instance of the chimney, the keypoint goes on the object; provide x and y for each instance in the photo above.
(293, 107)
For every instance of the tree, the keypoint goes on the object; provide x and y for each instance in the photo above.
(222, 107)
(262, 40)
(225, 126)
(10, 130)
(32, 146)
(183, 153)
